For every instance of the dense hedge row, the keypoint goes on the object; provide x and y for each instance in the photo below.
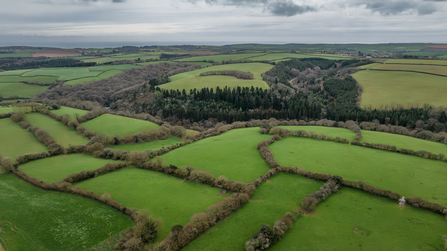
(331, 186)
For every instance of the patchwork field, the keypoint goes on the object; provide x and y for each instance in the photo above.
(222, 57)
(219, 156)
(353, 220)
(416, 61)
(284, 56)
(16, 141)
(407, 175)
(152, 145)
(271, 200)
(70, 111)
(112, 58)
(167, 197)
(114, 124)
(20, 89)
(54, 169)
(382, 88)
(190, 80)
(35, 220)
(104, 75)
(113, 67)
(430, 69)
(60, 133)
(62, 73)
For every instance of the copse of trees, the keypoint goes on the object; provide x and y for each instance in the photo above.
(234, 73)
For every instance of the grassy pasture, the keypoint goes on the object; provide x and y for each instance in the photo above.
(6, 109)
(60, 133)
(154, 62)
(45, 79)
(170, 198)
(222, 57)
(416, 61)
(191, 80)
(407, 175)
(15, 55)
(104, 75)
(153, 145)
(402, 141)
(113, 67)
(14, 72)
(54, 169)
(233, 154)
(431, 69)
(33, 219)
(276, 56)
(271, 200)
(135, 56)
(353, 220)
(114, 124)
(62, 73)
(369, 66)
(382, 88)
(330, 131)
(20, 89)
(70, 111)
(16, 141)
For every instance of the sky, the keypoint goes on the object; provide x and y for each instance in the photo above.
(222, 21)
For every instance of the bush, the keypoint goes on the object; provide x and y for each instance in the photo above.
(18, 117)
(136, 158)
(6, 164)
(309, 203)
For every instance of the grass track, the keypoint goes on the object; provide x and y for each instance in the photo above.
(32, 219)
(271, 200)
(170, 198)
(353, 220)
(407, 175)
(382, 88)
(60, 133)
(20, 89)
(114, 124)
(191, 80)
(16, 141)
(233, 154)
(54, 169)
(330, 131)
(153, 145)
(70, 111)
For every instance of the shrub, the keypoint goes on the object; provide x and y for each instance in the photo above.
(6, 164)
(136, 158)
(309, 203)
(106, 197)
(18, 117)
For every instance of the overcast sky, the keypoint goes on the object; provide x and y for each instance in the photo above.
(225, 21)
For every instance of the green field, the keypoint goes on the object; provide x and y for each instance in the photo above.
(16, 141)
(6, 109)
(353, 220)
(170, 198)
(11, 100)
(114, 124)
(416, 61)
(104, 75)
(222, 57)
(54, 169)
(32, 219)
(70, 111)
(382, 88)
(369, 66)
(63, 73)
(152, 145)
(285, 56)
(407, 175)
(20, 89)
(271, 200)
(233, 154)
(112, 58)
(113, 67)
(44, 79)
(60, 133)
(15, 72)
(154, 62)
(431, 69)
(402, 141)
(330, 131)
(190, 80)
(15, 55)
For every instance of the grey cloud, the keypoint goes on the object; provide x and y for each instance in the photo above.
(281, 8)
(394, 7)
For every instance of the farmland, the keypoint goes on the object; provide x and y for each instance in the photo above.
(20, 89)
(152, 145)
(113, 124)
(191, 80)
(382, 88)
(70, 111)
(430, 69)
(416, 61)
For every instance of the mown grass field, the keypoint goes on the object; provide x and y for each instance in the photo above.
(402, 141)
(114, 124)
(222, 57)
(407, 175)
(104, 75)
(382, 88)
(32, 219)
(190, 80)
(16, 141)
(416, 61)
(164, 196)
(330, 131)
(430, 69)
(233, 154)
(152, 145)
(354, 220)
(60, 133)
(20, 89)
(271, 200)
(70, 111)
(62, 73)
(54, 169)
